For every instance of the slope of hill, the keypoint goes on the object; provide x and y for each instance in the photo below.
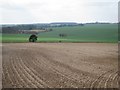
(86, 33)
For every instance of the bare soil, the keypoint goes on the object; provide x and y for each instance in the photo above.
(60, 65)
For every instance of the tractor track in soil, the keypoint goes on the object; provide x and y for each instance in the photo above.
(53, 65)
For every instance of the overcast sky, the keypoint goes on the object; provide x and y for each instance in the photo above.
(46, 11)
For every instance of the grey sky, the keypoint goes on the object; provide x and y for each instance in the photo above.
(45, 11)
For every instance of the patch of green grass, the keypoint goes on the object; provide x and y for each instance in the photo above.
(15, 38)
(107, 33)
(87, 33)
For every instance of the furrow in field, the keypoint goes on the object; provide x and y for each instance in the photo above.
(74, 82)
(105, 80)
(109, 81)
(44, 65)
(88, 81)
(3, 79)
(100, 80)
(24, 76)
(12, 74)
(34, 65)
(28, 75)
(115, 80)
(20, 82)
(39, 83)
(66, 67)
(40, 72)
(28, 62)
(7, 77)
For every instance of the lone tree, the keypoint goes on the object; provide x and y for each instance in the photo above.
(33, 38)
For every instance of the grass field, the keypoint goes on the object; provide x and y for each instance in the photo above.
(88, 33)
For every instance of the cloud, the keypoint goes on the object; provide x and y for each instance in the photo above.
(24, 11)
(14, 13)
(101, 4)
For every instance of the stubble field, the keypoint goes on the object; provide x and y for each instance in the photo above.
(60, 65)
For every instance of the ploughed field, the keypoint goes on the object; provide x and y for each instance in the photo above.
(60, 65)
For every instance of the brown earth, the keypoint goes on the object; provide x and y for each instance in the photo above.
(60, 65)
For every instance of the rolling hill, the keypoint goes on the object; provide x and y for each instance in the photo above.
(87, 33)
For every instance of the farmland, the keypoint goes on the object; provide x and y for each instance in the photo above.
(60, 65)
(87, 33)
(91, 62)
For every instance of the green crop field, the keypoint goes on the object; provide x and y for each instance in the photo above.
(106, 33)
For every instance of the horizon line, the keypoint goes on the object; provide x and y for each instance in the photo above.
(55, 22)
